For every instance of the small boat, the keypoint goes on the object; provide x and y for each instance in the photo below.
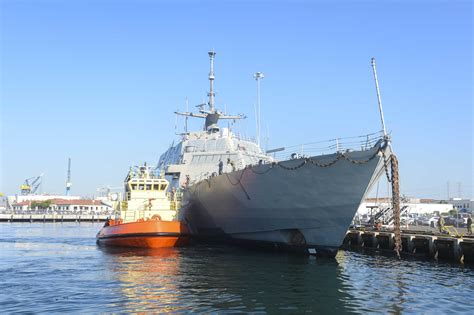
(146, 218)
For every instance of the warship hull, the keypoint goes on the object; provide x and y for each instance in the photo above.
(304, 203)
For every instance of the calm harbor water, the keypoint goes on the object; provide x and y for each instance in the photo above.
(57, 268)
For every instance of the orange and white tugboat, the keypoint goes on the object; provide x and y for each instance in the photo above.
(147, 217)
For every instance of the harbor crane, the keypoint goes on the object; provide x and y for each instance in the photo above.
(68, 183)
(31, 185)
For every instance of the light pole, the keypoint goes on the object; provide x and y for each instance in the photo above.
(258, 76)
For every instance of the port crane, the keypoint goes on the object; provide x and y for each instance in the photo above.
(31, 185)
(68, 182)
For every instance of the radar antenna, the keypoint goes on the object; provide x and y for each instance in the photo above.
(212, 115)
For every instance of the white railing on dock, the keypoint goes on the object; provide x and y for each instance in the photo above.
(53, 217)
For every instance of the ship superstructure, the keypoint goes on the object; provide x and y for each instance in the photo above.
(146, 217)
(147, 196)
(304, 198)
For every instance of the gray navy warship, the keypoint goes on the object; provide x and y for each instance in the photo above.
(303, 199)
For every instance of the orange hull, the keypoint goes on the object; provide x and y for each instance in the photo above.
(145, 234)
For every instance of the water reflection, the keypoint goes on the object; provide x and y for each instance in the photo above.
(380, 283)
(47, 268)
(210, 279)
(146, 278)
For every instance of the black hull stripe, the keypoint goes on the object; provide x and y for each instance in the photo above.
(159, 234)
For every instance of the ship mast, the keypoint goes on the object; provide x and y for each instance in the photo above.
(211, 93)
(212, 116)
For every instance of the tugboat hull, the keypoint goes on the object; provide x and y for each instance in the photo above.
(144, 234)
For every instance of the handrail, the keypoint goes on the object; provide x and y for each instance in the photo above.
(364, 142)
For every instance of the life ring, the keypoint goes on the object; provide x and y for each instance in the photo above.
(156, 217)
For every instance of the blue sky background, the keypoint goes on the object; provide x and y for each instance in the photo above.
(98, 81)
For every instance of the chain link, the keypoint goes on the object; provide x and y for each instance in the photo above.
(396, 204)
(385, 164)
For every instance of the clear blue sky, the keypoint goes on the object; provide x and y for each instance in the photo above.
(98, 81)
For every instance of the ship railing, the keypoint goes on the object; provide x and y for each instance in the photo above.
(362, 143)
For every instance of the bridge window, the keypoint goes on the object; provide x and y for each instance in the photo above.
(134, 186)
(155, 187)
(148, 187)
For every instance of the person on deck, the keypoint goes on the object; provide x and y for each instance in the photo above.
(221, 166)
(469, 225)
(441, 224)
(231, 164)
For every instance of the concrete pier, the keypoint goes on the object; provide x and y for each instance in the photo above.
(415, 243)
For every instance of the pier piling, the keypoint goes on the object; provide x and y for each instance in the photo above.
(415, 244)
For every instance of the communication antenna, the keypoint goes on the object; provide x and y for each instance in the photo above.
(258, 77)
(68, 183)
(378, 97)
(211, 93)
(186, 118)
(211, 116)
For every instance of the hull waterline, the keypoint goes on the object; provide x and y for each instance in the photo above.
(145, 234)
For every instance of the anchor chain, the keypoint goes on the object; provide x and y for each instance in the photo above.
(339, 156)
(396, 204)
(385, 164)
